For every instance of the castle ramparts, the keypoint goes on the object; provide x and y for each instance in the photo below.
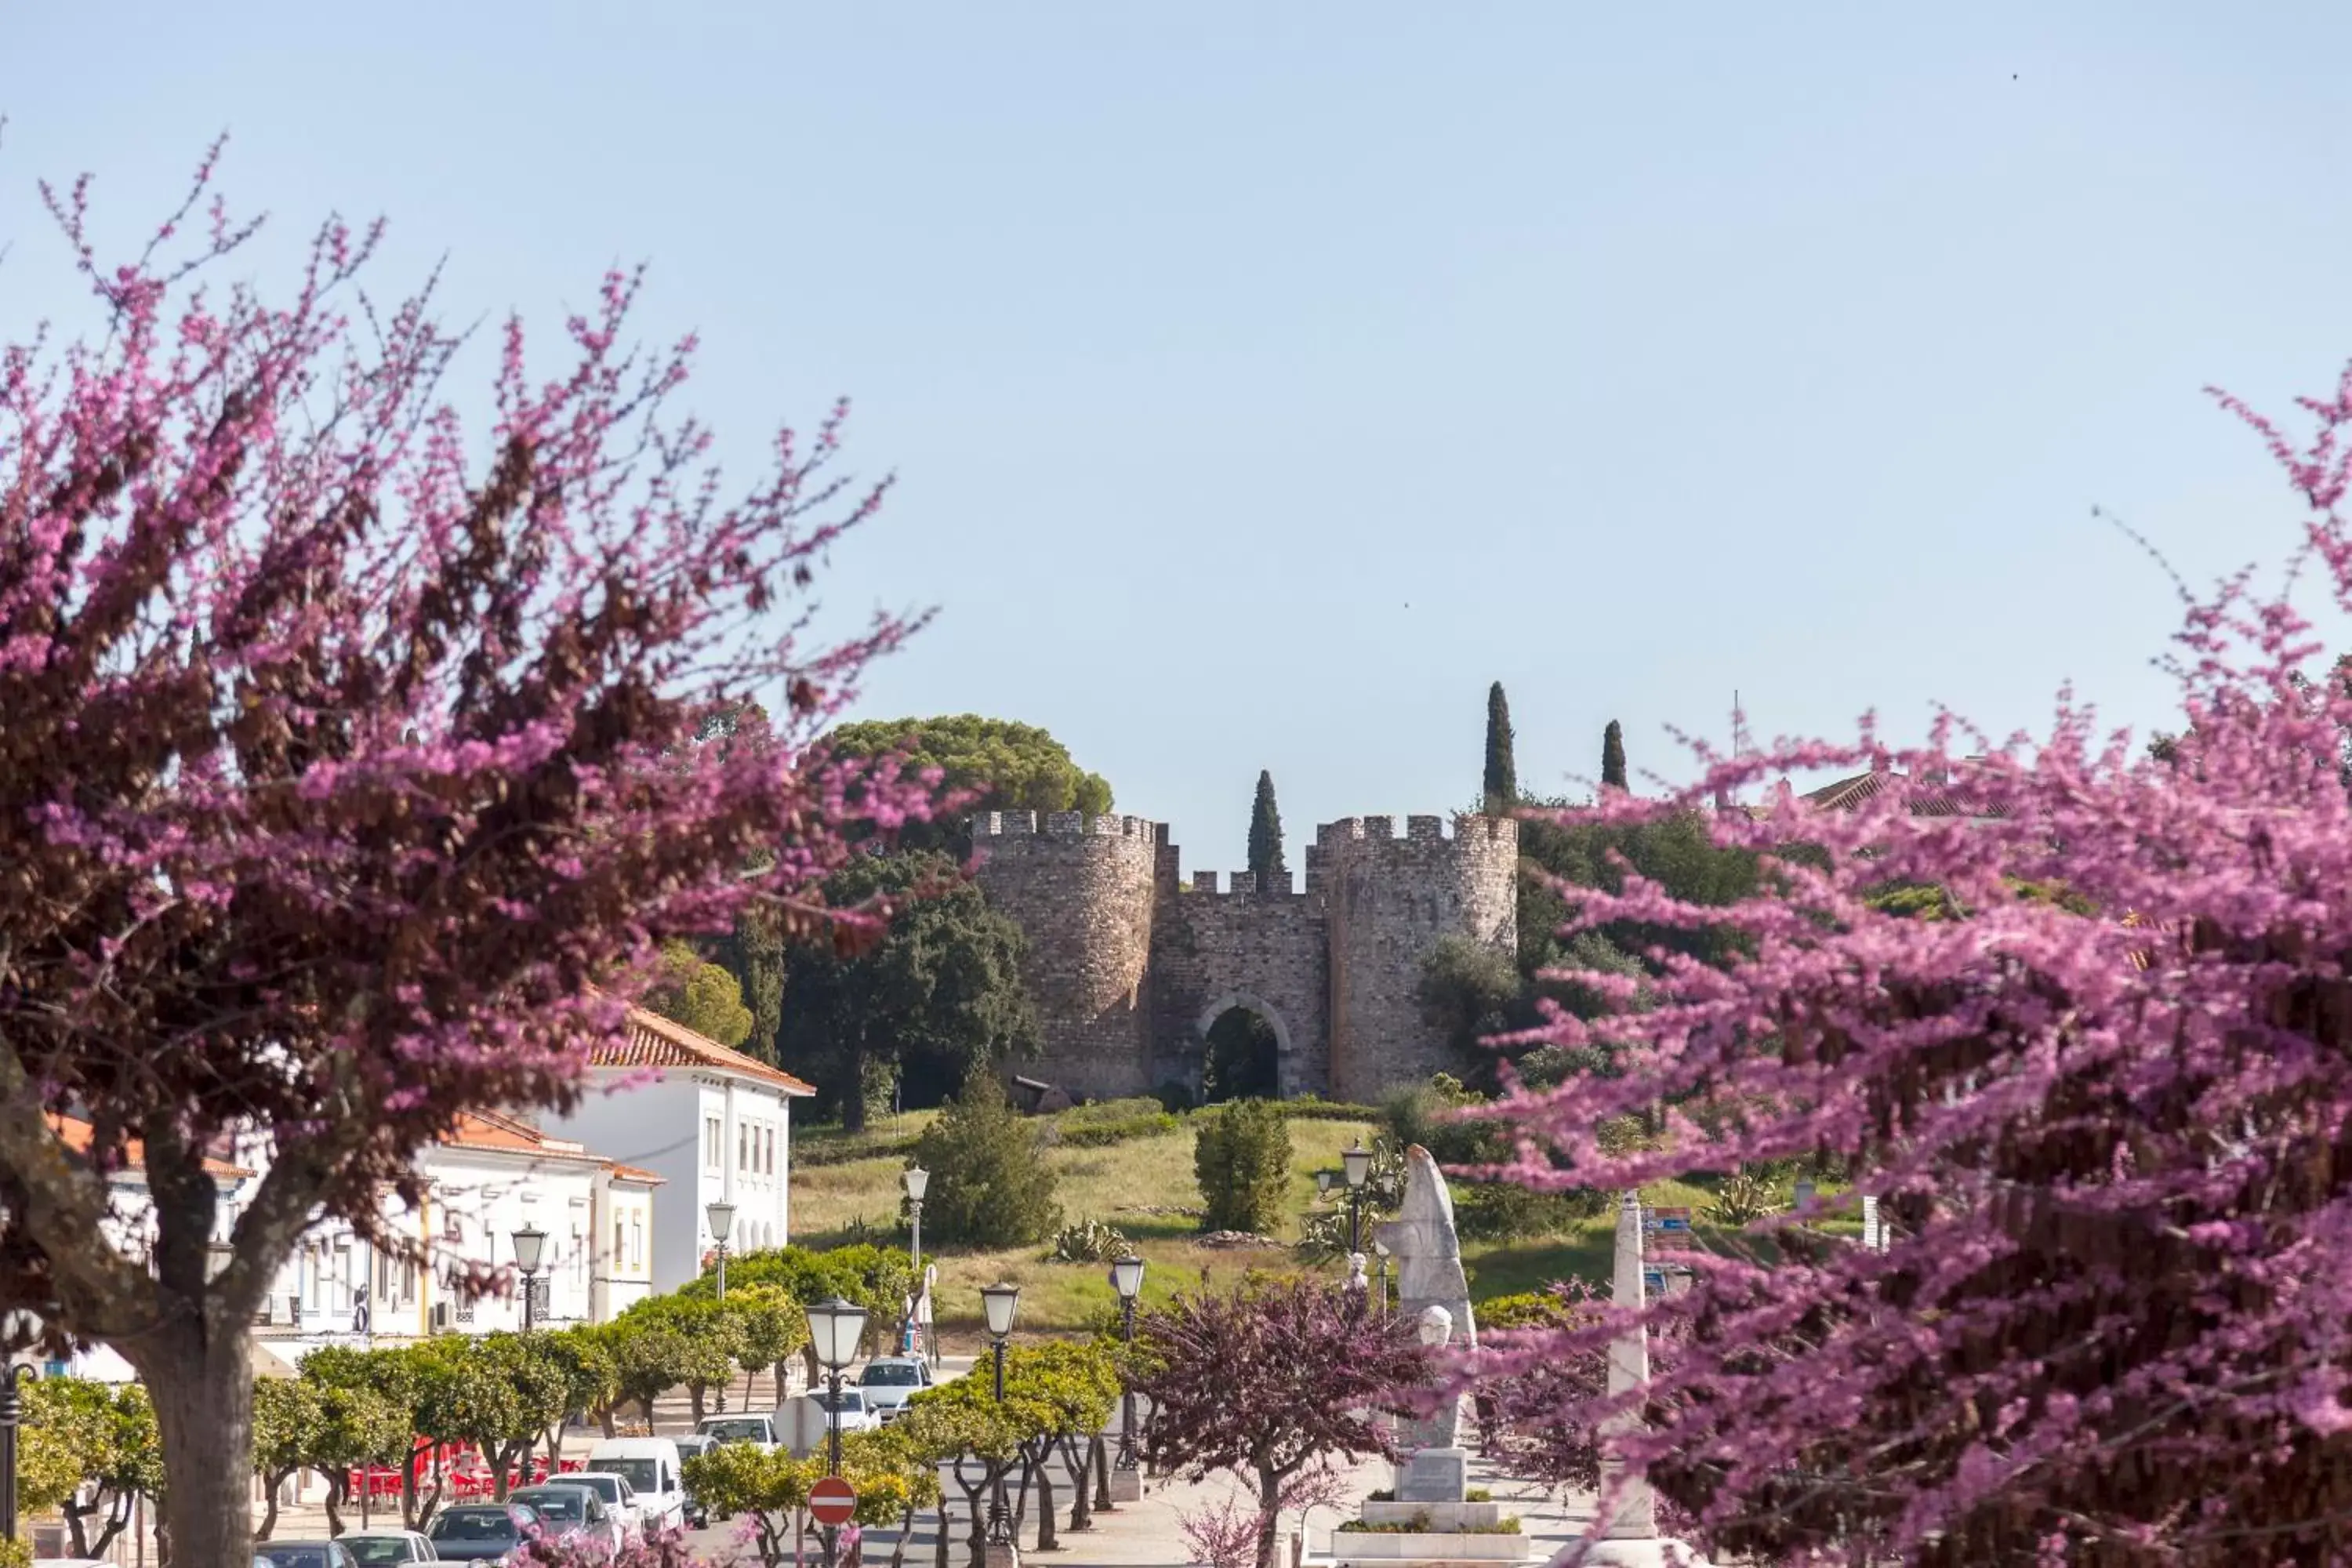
(1130, 963)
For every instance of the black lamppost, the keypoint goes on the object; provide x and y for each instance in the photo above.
(721, 1216)
(1381, 1248)
(1356, 1164)
(999, 1303)
(835, 1327)
(12, 1411)
(531, 1248)
(1127, 1279)
(919, 1182)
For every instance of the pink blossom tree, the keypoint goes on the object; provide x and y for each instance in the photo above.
(2111, 1130)
(1273, 1383)
(353, 766)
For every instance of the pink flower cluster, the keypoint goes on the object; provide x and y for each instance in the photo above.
(2105, 1106)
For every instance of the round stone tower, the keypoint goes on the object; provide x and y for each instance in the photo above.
(1082, 891)
(1388, 901)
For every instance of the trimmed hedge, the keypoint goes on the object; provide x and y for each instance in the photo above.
(1310, 1107)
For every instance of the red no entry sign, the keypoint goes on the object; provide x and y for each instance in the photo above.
(833, 1500)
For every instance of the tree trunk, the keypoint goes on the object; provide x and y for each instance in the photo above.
(202, 1387)
(1102, 1477)
(269, 1485)
(906, 1529)
(1047, 1541)
(335, 1484)
(605, 1420)
(1269, 1515)
(940, 1547)
(1075, 1452)
(853, 1104)
(696, 1394)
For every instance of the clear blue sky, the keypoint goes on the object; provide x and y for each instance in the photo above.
(1265, 380)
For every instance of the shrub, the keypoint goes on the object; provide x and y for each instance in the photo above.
(1242, 1159)
(1174, 1098)
(1088, 1241)
(1418, 1115)
(1504, 1212)
(989, 1185)
(1311, 1108)
(1112, 1121)
(1744, 1198)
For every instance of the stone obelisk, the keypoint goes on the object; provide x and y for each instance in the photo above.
(1628, 1537)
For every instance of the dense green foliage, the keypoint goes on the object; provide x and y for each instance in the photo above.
(1500, 788)
(939, 993)
(998, 764)
(1108, 1121)
(1240, 1157)
(1612, 757)
(1265, 861)
(989, 1187)
(702, 996)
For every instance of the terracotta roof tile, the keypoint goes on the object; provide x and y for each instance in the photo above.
(632, 1174)
(76, 1135)
(653, 1041)
(1926, 799)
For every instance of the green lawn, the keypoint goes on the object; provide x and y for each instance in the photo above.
(1113, 1183)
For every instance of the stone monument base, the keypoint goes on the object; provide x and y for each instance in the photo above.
(1000, 1555)
(1434, 1476)
(1652, 1553)
(1126, 1486)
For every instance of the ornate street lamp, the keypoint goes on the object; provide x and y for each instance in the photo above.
(721, 1216)
(1356, 1164)
(531, 1249)
(919, 1182)
(835, 1327)
(999, 1304)
(1127, 1279)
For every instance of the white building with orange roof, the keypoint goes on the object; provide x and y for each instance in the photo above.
(451, 1265)
(713, 1124)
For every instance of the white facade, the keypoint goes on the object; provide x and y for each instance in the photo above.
(449, 1264)
(711, 1124)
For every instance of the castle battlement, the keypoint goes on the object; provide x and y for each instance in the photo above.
(1464, 828)
(1131, 962)
(1063, 824)
(1244, 884)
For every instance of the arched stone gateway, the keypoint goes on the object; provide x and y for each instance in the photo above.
(1251, 1061)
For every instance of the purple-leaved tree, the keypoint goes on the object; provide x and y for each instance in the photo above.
(1272, 1382)
(2104, 1097)
(353, 765)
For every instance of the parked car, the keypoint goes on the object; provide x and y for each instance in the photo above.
(696, 1513)
(388, 1548)
(314, 1554)
(479, 1533)
(653, 1469)
(571, 1513)
(889, 1382)
(620, 1498)
(759, 1431)
(848, 1410)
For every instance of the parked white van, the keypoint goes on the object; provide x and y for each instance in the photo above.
(651, 1467)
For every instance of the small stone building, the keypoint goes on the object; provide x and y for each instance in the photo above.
(1130, 965)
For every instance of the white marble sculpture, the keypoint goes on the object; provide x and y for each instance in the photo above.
(1428, 1274)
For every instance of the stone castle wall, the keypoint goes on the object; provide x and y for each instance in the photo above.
(1390, 901)
(1082, 891)
(1130, 965)
(1264, 949)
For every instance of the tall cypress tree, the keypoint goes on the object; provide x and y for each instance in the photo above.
(1502, 788)
(1612, 757)
(1265, 839)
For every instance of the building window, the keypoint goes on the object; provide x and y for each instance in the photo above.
(636, 1240)
(711, 1141)
(772, 1150)
(742, 1147)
